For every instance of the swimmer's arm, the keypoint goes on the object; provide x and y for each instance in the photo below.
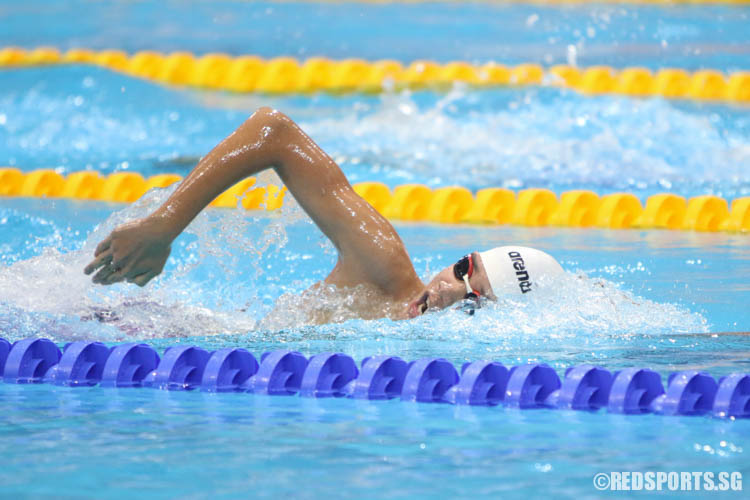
(369, 247)
(138, 250)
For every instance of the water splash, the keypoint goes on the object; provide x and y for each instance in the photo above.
(80, 117)
(236, 272)
(551, 138)
(230, 269)
(182, 302)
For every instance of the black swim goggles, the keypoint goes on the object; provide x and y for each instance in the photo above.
(462, 270)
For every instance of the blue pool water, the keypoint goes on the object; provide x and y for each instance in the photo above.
(632, 298)
(108, 122)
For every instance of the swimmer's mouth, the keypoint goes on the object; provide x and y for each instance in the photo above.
(419, 306)
(423, 303)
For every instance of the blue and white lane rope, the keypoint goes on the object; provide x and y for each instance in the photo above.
(427, 380)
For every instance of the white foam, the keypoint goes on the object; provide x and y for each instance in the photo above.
(526, 140)
(214, 289)
(53, 285)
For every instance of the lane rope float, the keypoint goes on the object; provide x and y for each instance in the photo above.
(285, 75)
(586, 387)
(417, 202)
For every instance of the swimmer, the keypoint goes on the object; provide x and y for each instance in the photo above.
(371, 256)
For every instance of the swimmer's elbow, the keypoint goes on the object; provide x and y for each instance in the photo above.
(268, 131)
(272, 119)
(264, 113)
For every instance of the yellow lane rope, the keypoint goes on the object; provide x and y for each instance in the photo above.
(284, 75)
(417, 202)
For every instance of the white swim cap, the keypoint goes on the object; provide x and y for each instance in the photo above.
(515, 269)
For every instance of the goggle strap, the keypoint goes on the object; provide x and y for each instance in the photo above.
(469, 290)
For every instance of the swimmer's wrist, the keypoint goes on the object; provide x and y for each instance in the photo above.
(163, 227)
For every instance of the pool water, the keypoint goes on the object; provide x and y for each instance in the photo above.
(648, 300)
(660, 299)
(168, 445)
(514, 138)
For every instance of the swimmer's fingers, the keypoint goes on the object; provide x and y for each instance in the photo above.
(144, 278)
(104, 245)
(121, 273)
(103, 259)
(128, 270)
(122, 263)
(102, 256)
(102, 277)
(111, 273)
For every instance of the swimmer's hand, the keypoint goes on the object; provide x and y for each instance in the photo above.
(134, 252)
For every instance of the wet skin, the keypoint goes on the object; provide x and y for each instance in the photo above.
(370, 252)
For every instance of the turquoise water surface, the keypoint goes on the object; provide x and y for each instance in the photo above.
(657, 299)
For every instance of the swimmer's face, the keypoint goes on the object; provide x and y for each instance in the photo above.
(445, 289)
